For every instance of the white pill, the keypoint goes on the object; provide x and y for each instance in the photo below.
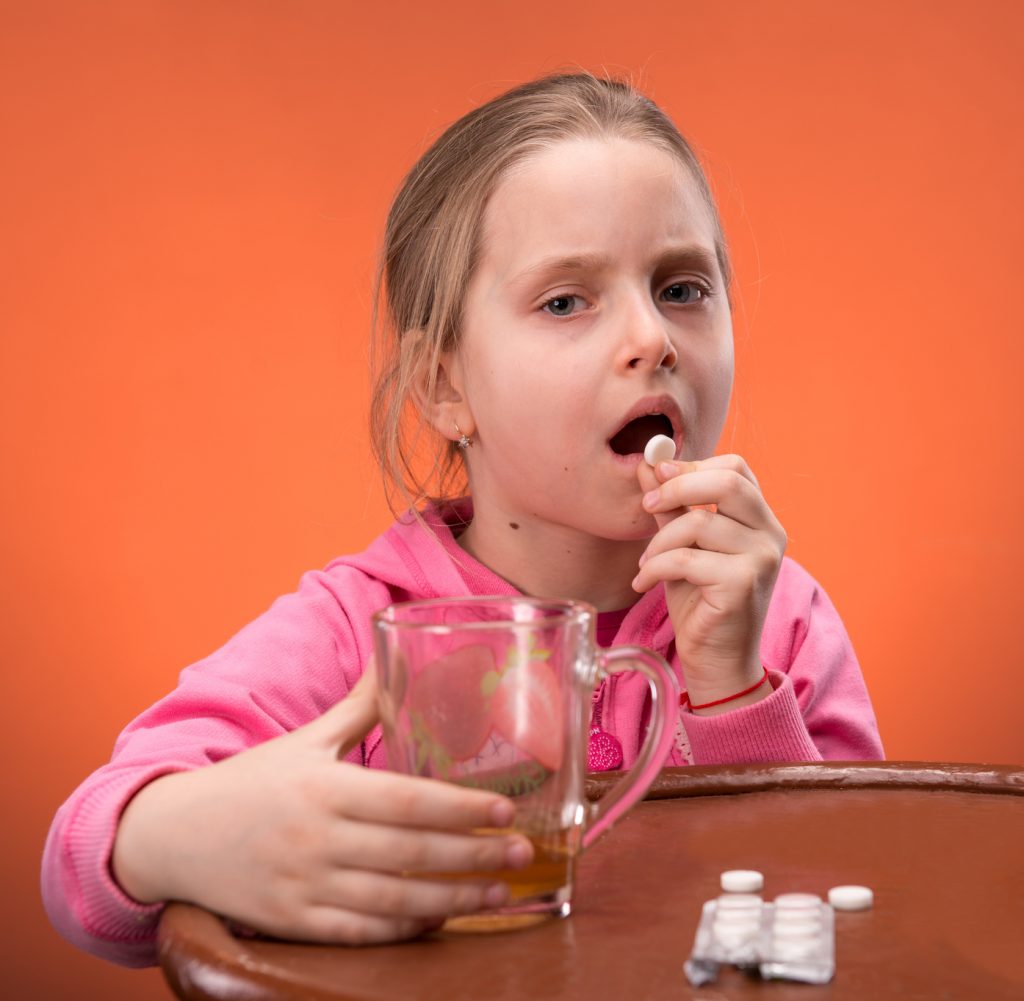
(796, 901)
(851, 898)
(660, 448)
(797, 916)
(737, 919)
(742, 881)
(739, 902)
(796, 929)
(733, 938)
(793, 950)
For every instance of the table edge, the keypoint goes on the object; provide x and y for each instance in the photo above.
(923, 776)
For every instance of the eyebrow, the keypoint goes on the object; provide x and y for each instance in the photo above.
(689, 256)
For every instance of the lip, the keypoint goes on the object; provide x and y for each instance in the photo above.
(665, 405)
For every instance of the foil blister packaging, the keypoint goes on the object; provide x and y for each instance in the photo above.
(791, 939)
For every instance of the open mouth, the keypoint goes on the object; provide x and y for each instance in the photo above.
(635, 435)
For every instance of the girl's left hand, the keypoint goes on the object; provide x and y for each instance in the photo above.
(718, 565)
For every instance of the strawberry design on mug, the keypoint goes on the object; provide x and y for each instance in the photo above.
(448, 702)
(456, 701)
(526, 711)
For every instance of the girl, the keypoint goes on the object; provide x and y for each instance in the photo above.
(555, 283)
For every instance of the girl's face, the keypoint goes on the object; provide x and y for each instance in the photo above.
(597, 299)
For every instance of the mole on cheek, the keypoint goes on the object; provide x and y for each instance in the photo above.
(512, 524)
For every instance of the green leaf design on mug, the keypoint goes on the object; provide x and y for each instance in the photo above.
(516, 656)
(519, 780)
(428, 750)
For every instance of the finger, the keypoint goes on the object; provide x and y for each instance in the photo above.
(401, 849)
(698, 567)
(411, 801)
(650, 479)
(339, 926)
(386, 895)
(666, 470)
(703, 529)
(346, 723)
(735, 496)
(646, 476)
(364, 708)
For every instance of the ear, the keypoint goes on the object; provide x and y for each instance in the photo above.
(438, 391)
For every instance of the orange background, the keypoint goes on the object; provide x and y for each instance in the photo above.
(192, 199)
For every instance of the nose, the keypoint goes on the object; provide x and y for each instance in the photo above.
(646, 343)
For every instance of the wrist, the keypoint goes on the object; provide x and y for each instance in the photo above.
(139, 861)
(724, 695)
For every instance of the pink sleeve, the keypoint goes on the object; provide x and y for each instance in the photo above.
(819, 708)
(282, 670)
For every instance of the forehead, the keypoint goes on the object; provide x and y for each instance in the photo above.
(616, 197)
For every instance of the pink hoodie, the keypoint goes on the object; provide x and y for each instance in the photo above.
(305, 653)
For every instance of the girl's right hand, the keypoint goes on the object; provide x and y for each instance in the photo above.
(293, 842)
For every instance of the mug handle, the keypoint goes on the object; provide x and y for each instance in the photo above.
(664, 702)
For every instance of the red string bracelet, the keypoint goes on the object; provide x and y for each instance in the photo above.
(684, 698)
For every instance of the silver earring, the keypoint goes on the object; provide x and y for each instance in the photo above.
(463, 441)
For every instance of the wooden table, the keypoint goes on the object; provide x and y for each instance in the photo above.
(942, 845)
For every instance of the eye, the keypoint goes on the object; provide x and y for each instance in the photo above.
(686, 292)
(562, 305)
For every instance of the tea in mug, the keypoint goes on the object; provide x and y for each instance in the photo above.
(545, 881)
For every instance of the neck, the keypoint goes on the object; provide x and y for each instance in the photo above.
(554, 561)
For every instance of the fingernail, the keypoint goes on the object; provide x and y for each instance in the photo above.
(502, 813)
(634, 585)
(650, 499)
(643, 559)
(496, 895)
(666, 470)
(518, 854)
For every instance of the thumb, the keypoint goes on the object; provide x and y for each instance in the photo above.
(649, 480)
(646, 477)
(351, 718)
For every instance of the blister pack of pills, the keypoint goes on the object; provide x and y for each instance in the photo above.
(792, 938)
(729, 933)
(798, 939)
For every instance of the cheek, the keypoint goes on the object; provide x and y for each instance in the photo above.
(721, 378)
(507, 401)
(717, 367)
(516, 388)
(715, 383)
(531, 416)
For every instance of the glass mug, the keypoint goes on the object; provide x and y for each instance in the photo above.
(495, 693)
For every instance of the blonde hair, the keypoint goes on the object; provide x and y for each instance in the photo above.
(432, 245)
